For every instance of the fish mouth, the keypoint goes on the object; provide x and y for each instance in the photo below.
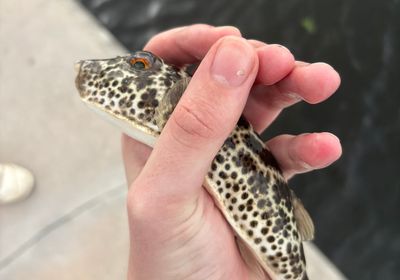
(77, 66)
(79, 79)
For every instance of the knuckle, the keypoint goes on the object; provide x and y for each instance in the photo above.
(142, 201)
(281, 99)
(194, 122)
(139, 207)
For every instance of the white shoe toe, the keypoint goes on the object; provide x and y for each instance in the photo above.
(16, 183)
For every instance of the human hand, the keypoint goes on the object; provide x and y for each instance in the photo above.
(176, 231)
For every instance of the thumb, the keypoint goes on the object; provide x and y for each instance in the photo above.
(199, 125)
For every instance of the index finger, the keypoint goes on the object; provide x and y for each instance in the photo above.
(189, 44)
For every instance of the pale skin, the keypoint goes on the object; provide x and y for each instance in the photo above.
(176, 232)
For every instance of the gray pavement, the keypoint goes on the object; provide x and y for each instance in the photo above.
(75, 218)
(74, 224)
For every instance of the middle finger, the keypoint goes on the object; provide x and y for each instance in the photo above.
(312, 83)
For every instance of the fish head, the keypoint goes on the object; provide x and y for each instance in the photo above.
(128, 89)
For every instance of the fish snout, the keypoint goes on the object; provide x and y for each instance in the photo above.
(87, 73)
(77, 66)
(80, 79)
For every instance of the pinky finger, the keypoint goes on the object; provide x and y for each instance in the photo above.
(305, 152)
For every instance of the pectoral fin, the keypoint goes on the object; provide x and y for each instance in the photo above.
(169, 102)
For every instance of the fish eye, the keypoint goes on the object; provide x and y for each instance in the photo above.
(139, 63)
(141, 60)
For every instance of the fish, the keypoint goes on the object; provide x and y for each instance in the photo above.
(139, 91)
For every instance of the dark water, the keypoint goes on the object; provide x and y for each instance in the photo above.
(356, 202)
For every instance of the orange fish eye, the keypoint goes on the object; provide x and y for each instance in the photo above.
(139, 63)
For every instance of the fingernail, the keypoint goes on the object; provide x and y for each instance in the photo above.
(233, 62)
(283, 47)
(293, 96)
(223, 27)
(229, 29)
(305, 165)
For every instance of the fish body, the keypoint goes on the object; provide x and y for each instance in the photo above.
(139, 91)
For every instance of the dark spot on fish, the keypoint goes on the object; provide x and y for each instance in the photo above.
(219, 158)
(261, 203)
(140, 104)
(122, 102)
(250, 180)
(267, 157)
(233, 175)
(222, 175)
(229, 143)
(242, 122)
(154, 103)
(289, 248)
(167, 83)
(253, 223)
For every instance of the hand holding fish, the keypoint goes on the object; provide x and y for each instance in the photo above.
(176, 231)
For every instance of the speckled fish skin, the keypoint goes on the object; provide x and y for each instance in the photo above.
(244, 178)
